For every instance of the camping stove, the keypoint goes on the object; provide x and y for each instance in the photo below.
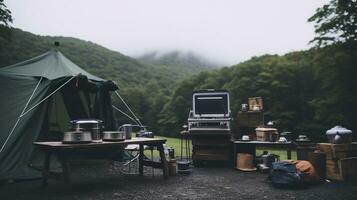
(209, 125)
(210, 114)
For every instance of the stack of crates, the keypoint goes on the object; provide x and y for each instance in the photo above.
(341, 160)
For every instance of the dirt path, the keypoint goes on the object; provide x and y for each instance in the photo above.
(202, 183)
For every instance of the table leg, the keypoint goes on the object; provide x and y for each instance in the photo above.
(289, 153)
(141, 159)
(65, 168)
(234, 155)
(160, 147)
(46, 169)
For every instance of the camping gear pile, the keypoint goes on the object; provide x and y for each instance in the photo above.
(293, 174)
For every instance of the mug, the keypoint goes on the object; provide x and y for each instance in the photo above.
(245, 137)
(244, 107)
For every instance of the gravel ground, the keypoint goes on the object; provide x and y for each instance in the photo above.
(105, 182)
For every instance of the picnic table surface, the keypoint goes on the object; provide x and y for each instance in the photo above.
(60, 145)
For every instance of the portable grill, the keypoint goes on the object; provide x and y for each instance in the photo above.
(209, 126)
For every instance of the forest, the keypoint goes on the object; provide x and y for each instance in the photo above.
(306, 91)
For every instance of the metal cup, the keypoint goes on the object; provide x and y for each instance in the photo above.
(127, 130)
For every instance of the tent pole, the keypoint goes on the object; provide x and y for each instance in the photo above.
(18, 119)
(125, 114)
(136, 118)
(23, 113)
(48, 96)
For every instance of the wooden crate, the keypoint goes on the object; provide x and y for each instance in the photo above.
(266, 134)
(342, 169)
(250, 119)
(255, 101)
(338, 151)
(213, 154)
(211, 142)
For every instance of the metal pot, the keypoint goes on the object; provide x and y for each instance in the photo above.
(183, 164)
(91, 125)
(287, 134)
(86, 123)
(77, 137)
(339, 135)
(113, 136)
(127, 129)
(96, 133)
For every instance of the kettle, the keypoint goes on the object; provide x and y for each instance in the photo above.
(339, 135)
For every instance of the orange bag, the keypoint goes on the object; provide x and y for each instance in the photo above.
(308, 170)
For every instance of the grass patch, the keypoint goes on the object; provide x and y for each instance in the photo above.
(281, 153)
(176, 144)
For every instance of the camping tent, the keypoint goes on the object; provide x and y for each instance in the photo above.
(38, 99)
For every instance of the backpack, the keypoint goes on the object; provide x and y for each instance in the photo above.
(285, 175)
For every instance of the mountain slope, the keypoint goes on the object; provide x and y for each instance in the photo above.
(108, 64)
(176, 65)
(90, 56)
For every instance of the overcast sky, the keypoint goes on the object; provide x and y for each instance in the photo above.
(228, 31)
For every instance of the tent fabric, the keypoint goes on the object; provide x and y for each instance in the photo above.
(51, 65)
(48, 72)
(19, 146)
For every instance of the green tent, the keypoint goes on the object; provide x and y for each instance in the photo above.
(38, 99)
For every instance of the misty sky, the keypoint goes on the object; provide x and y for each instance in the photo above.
(227, 31)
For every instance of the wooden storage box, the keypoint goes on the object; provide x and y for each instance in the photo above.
(342, 169)
(266, 134)
(211, 142)
(255, 103)
(341, 160)
(338, 151)
(206, 153)
(250, 119)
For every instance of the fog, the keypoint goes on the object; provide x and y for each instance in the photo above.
(227, 31)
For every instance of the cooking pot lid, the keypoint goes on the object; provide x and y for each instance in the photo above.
(338, 130)
(76, 132)
(110, 132)
(86, 121)
(302, 138)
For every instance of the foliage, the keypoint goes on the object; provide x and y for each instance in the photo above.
(304, 92)
(5, 14)
(336, 22)
(5, 20)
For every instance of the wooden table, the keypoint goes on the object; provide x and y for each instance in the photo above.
(63, 151)
(250, 147)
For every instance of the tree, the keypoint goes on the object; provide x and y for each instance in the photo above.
(336, 22)
(5, 14)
